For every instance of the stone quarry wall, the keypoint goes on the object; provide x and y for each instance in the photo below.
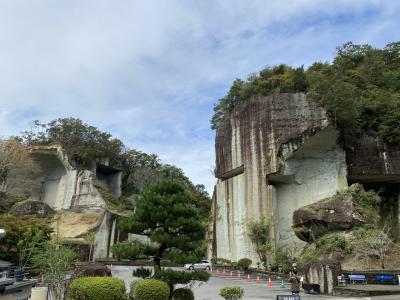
(252, 144)
(71, 192)
(278, 153)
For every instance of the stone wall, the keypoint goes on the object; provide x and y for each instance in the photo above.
(278, 153)
(251, 144)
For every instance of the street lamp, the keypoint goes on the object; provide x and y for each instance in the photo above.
(2, 233)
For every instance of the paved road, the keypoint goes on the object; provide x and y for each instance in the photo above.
(252, 290)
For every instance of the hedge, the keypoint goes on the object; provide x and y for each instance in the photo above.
(151, 289)
(183, 294)
(96, 288)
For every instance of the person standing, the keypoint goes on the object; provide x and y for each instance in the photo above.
(295, 283)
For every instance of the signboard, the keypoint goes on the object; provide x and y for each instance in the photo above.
(288, 297)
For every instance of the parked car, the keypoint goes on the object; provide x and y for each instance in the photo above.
(203, 265)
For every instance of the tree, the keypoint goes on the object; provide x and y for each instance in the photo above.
(22, 235)
(54, 262)
(90, 238)
(167, 215)
(259, 233)
(83, 143)
(14, 161)
(174, 277)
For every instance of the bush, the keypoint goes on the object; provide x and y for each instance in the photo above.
(151, 289)
(183, 294)
(244, 263)
(142, 272)
(231, 292)
(97, 288)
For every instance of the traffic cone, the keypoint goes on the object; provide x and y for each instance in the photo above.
(224, 273)
(231, 275)
(282, 284)
(269, 281)
(248, 278)
(258, 279)
(239, 275)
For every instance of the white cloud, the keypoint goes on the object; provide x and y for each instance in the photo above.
(150, 71)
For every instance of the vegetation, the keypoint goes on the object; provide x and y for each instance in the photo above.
(335, 244)
(166, 213)
(83, 143)
(259, 233)
(173, 277)
(24, 235)
(151, 289)
(373, 242)
(54, 262)
(244, 263)
(360, 89)
(142, 272)
(97, 288)
(183, 294)
(231, 293)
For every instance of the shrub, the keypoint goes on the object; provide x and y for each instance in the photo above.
(183, 294)
(151, 289)
(97, 288)
(231, 292)
(142, 272)
(244, 263)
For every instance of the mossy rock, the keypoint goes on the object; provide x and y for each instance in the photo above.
(347, 209)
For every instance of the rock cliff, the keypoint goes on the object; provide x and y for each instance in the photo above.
(69, 196)
(278, 153)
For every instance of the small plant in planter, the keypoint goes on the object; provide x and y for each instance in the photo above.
(231, 292)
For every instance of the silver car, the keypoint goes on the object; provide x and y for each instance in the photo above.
(203, 265)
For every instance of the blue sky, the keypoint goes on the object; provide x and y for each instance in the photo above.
(150, 72)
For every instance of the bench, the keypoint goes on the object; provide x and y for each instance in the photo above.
(386, 278)
(358, 278)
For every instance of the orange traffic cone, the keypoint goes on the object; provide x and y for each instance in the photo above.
(269, 281)
(258, 279)
(239, 275)
(248, 278)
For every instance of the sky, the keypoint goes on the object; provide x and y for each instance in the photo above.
(149, 72)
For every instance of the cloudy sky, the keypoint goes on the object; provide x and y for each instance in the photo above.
(150, 72)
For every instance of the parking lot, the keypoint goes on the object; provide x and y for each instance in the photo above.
(252, 290)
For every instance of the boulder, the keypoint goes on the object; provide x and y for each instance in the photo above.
(339, 212)
(33, 208)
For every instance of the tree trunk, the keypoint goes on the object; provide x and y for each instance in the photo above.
(157, 257)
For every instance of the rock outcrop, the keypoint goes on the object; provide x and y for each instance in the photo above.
(278, 153)
(32, 208)
(68, 195)
(335, 213)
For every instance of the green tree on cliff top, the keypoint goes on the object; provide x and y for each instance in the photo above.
(360, 89)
